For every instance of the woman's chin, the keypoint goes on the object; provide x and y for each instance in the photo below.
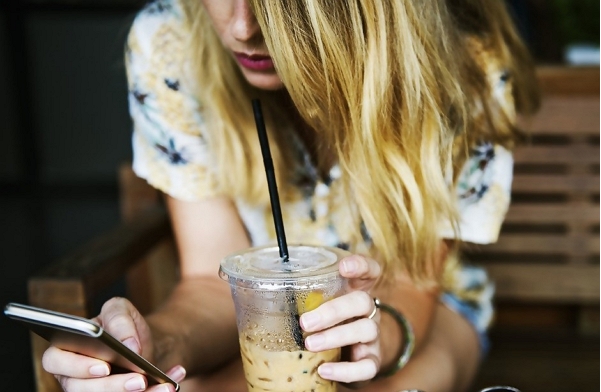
(263, 80)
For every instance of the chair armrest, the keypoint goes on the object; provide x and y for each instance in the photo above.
(70, 284)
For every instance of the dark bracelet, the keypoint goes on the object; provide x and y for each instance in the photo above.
(408, 345)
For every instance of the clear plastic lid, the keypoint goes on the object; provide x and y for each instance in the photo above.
(262, 268)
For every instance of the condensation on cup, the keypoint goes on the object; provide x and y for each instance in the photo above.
(270, 296)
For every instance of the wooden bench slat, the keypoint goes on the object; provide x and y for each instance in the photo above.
(68, 295)
(578, 183)
(568, 154)
(553, 213)
(545, 244)
(545, 283)
(104, 259)
(568, 80)
(565, 116)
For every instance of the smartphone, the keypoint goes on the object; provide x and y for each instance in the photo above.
(83, 336)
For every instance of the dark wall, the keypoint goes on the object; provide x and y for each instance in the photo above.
(64, 129)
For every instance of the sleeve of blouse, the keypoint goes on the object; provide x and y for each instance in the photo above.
(483, 193)
(483, 188)
(169, 149)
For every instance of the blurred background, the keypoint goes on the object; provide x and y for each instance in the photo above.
(65, 128)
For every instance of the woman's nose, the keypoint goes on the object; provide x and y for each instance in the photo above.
(244, 25)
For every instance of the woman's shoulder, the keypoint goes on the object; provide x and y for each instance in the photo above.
(160, 10)
(157, 46)
(488, 60)
(158, 27)
(493, 111)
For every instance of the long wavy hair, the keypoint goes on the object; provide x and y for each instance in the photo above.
(388, 86)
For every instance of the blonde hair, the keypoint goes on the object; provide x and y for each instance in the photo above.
(384, 85)
(489, 28)
(224, 97)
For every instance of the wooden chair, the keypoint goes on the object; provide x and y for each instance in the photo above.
(545, 265)
(549, 247)
(546, 262)
(139, 252)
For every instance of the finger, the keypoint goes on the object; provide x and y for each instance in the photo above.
(364, 369)
(359, 267)
(162, 388)
(66, 363)
(351, 305)
(361, 331)
(131, 382)
(177, 373)
(117, 318)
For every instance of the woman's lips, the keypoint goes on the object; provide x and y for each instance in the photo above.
(254, 62)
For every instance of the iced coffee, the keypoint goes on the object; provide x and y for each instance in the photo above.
(270, 296)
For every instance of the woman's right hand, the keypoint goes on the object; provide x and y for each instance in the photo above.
(77, 372)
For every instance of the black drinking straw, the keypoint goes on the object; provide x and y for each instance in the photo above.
(271, 184)
(276, 210)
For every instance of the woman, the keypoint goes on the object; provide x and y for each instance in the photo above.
(390, 124)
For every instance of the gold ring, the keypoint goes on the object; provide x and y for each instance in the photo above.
(376, 306)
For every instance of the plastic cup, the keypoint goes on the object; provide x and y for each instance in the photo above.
(270, 296)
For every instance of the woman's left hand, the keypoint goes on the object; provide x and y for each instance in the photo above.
(345, 321)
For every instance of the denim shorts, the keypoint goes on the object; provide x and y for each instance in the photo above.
(471, 297)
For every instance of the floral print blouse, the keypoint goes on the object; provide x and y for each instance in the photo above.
(172, 155)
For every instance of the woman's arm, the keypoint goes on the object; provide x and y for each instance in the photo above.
(417, 304)
(199, 316)
(446, 354)
(446, 362)
(196, 328)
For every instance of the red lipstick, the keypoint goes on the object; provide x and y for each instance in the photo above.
(254, 62)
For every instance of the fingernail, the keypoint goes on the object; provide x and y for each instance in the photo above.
(315, 342)
(135, 384)
(99, 370)
(310, 320)
(164, 388)
(325, 370)
(350, 265)
(178, 373)
(132, 344)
